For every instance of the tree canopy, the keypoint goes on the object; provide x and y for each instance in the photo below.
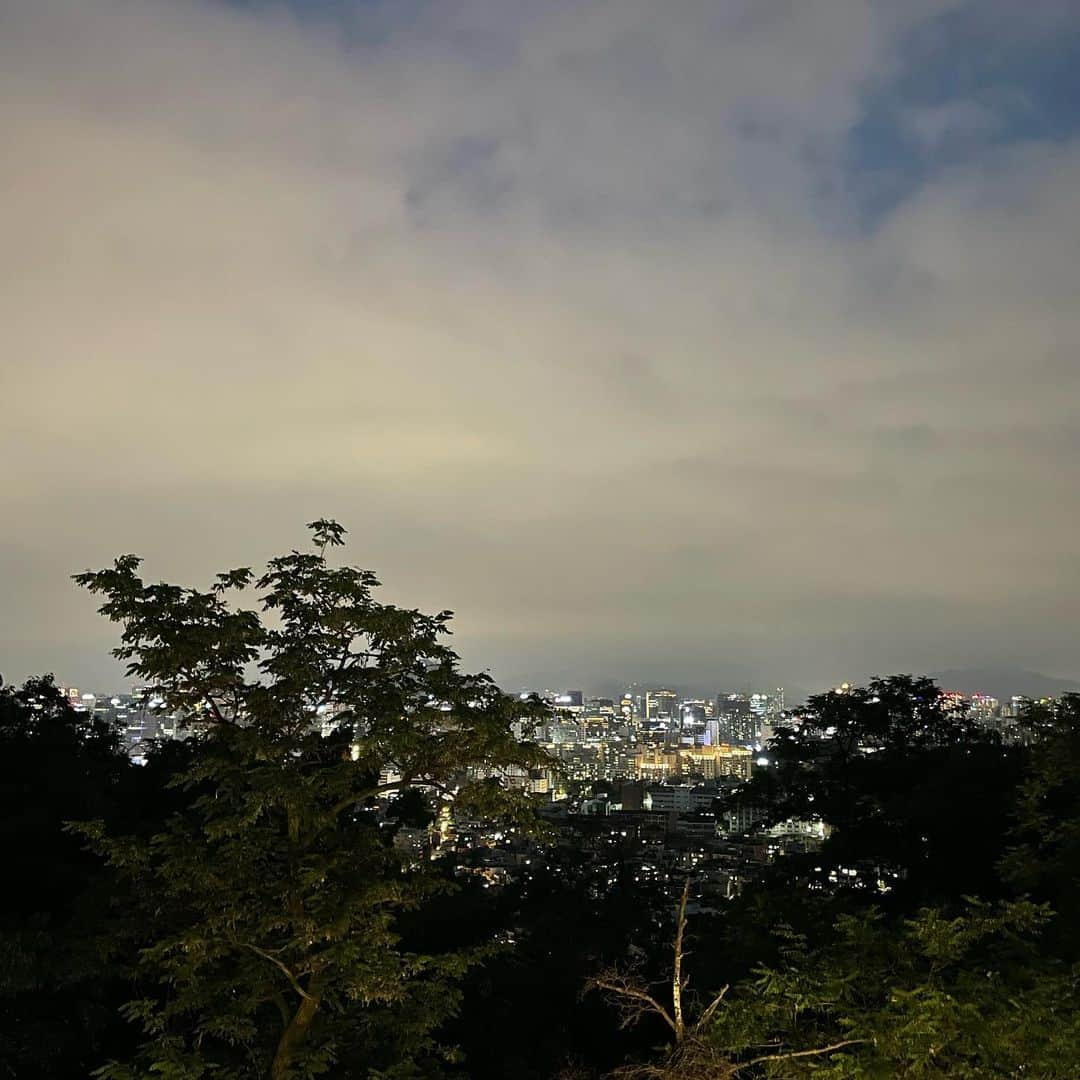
(853, 981)
(58, 984)
(271, 902)
(915, 795)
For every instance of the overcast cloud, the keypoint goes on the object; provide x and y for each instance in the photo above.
(698, 342)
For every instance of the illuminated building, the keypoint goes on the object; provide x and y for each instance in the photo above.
(656, 764)
(692, 714)
(679, 798)
(738, 724)
(711, 762)
(661, 706)
(704, 762)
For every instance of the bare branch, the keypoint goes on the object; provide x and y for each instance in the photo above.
(713, 1005)
(800, 1053)
(215, 709)
(632, 998)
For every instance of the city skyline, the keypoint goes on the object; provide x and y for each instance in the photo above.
(1005, 688)
(724, 344)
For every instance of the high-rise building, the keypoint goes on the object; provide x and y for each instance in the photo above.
(656, 764)
(692, 714)
(767, 709)
(710, 762)
(737, 721)
(661, 705)
(703, 762)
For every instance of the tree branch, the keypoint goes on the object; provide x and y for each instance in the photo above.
(713, 1005)
(626, 990)
(214, 706)
(370, 793)
(800, 1053)
(293, 981)
(383, 789)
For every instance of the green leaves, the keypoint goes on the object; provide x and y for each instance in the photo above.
(1044, 853)
(190, 646)
(326, 533)
(961, 995)
(273, 944)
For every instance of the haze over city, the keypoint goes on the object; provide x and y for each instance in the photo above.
(708, 345)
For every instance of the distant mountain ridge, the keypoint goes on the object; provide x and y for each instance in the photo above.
(1003, 683)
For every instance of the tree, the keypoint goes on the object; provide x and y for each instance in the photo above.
(272, 902)
(59, 987)
(635, 998)
(694, 1053)
(969, 995)
(1043, 857)
(915, 795)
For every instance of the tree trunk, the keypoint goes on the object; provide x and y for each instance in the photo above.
(677, 975)
(293, 1038)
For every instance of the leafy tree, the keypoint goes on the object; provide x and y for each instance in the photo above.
(272, 902)
(915, 795)
(1043, 857)
(697, 1029)
(966, 996)
(923, 980)
(59, 987)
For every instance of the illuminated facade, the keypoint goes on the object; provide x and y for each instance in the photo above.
(661, 705)
(701, 762)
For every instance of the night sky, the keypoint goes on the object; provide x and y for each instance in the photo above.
(718, 343)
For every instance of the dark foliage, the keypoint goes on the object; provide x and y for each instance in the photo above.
(237, 906)
(63, 969)
(917, 798)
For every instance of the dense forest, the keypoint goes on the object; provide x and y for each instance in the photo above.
(236, 906)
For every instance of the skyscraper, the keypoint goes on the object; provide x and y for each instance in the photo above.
(737, 723)
(661, 705)
(692, 714)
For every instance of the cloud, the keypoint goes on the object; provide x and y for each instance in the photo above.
(567, 310)
(953, 123)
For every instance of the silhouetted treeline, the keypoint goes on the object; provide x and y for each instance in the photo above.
(969, 953)
(237, 907)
